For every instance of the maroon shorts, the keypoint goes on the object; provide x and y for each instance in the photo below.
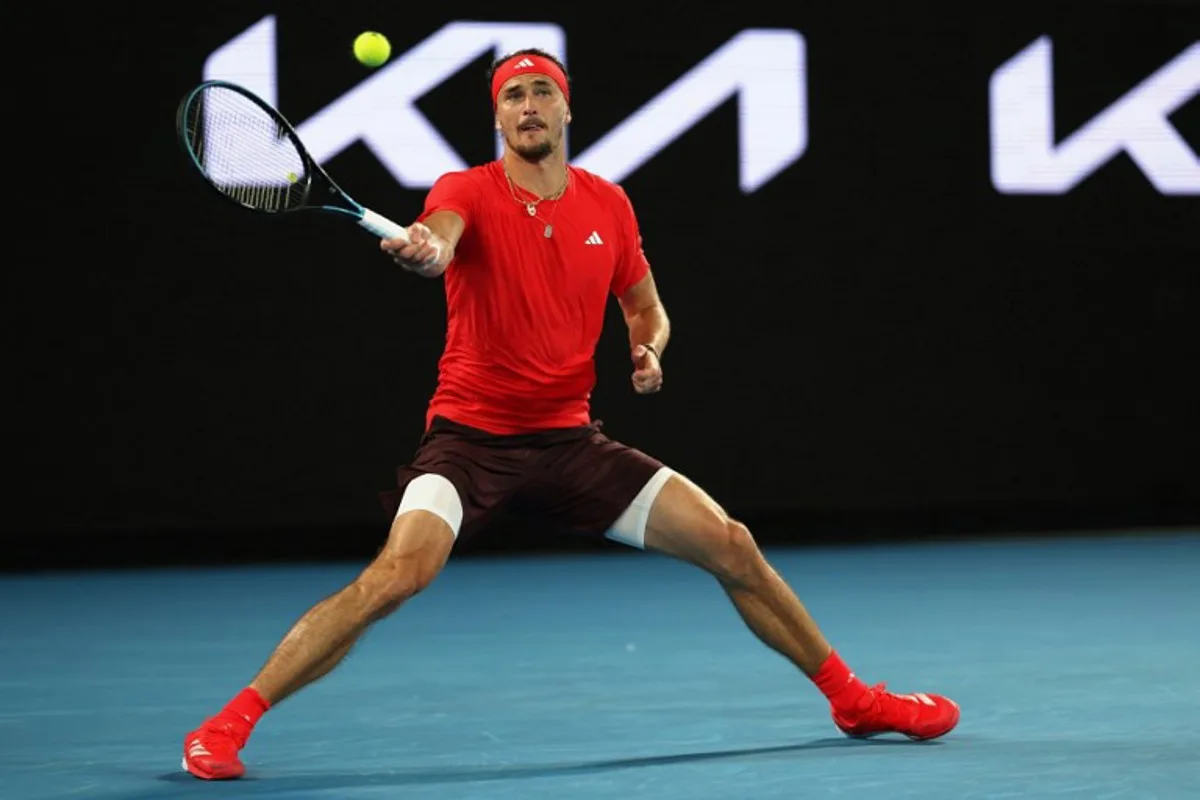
(576, 480)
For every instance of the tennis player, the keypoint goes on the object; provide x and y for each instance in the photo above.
(530, 248)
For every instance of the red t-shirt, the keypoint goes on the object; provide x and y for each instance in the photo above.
(524, 312)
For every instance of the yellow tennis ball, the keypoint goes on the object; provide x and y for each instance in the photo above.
(372, 48)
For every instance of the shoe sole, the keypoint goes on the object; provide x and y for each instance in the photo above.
(208, 776)
(914, 737)
(911, 736)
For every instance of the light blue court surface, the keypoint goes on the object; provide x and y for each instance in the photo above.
(624, 676)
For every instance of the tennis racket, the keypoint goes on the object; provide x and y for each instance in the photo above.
(251, 154)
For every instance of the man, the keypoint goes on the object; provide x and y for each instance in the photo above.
(530, 248)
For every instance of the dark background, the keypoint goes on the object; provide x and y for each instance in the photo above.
(877, 343)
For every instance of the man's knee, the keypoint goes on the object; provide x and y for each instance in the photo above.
(387, 585)
(417, 549)
(734, 556)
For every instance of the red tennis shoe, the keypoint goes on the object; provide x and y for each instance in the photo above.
(211, 751)
(917, 716)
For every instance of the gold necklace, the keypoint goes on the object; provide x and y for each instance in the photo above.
(531, 205)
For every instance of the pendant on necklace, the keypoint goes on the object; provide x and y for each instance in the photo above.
(549, 231)
(531, 208)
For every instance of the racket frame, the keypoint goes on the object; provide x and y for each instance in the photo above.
(317, 179)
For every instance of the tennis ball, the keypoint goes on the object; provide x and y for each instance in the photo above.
(372, 48)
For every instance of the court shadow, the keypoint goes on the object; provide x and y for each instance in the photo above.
(309, 781)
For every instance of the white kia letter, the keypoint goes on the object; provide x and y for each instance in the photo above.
(1026, 160)
(764, 68)
(381, 111)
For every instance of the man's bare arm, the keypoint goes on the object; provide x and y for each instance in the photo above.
(645, 315)
(430, 246)
(649, 330)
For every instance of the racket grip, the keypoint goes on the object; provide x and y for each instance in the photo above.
(381, 226)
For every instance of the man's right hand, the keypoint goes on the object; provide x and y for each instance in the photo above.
(424, 252)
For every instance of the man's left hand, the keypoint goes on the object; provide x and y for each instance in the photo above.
(647, 372)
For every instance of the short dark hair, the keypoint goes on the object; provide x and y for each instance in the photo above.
(528, 51)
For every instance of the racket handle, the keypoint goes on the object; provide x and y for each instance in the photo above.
(381, 226)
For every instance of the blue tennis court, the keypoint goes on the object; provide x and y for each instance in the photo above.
(624, 675)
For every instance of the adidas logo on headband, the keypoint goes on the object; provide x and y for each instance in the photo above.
(524, 62)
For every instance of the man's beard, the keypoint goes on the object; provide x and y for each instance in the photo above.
(533, 153)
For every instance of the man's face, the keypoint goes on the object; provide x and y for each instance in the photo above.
(532, 114)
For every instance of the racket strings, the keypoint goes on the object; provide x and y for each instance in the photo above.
(244, 151)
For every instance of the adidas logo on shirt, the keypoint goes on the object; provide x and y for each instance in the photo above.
(524, 62)
(593, 239)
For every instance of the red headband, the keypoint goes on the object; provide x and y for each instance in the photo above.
(520, 65)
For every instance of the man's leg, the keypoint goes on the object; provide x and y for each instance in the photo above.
(417, 548)
(689, 525)
(416, 551)
(684, 522)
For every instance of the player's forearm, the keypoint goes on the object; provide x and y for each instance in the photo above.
(649, 326)
(445, 254)
(447, 227)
